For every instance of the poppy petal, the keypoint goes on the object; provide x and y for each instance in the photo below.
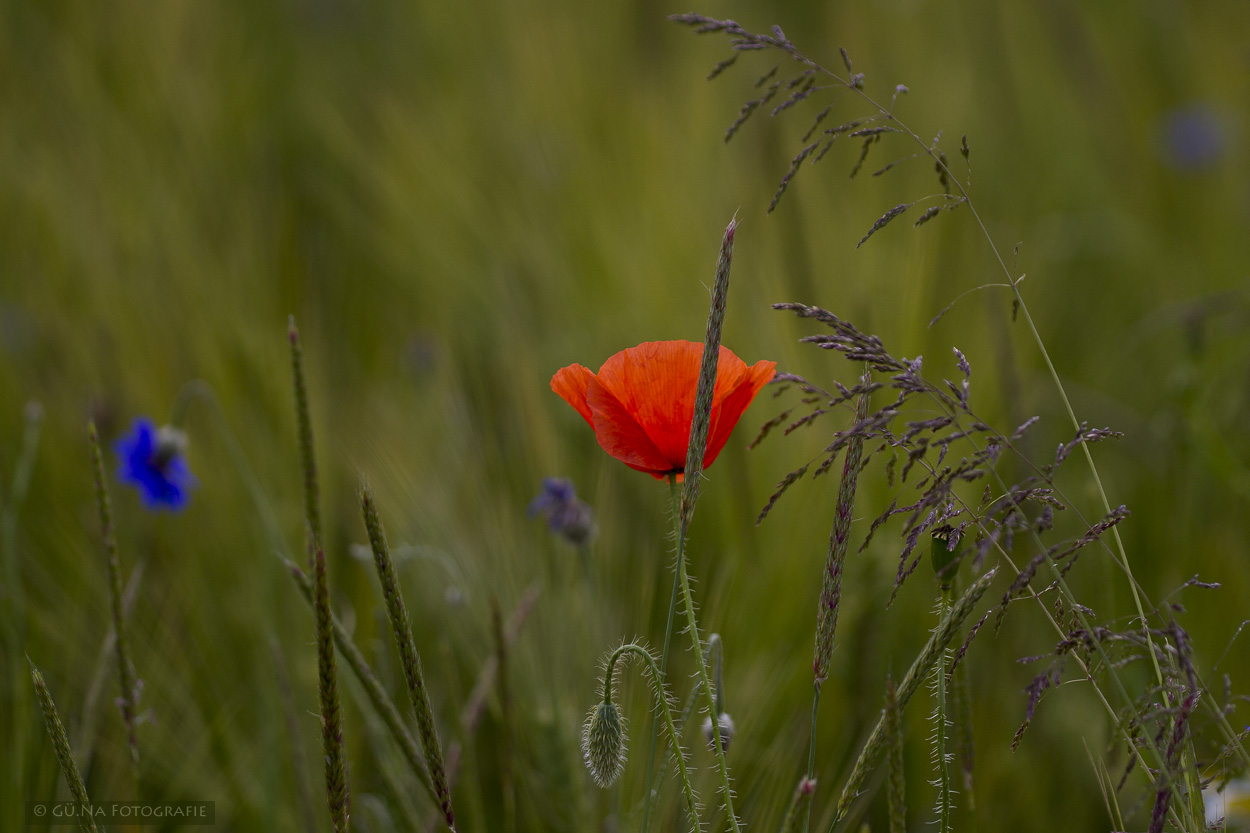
(619, 433)
(641, 402)
(570, 383)
(655, 382)
(730, 409)
(729, 373)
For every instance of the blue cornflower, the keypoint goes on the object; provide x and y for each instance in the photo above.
(152, 461)
(567, 516)
(1192, 138)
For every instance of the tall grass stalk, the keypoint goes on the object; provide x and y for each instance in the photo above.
(855, 86)
(683, 508)
(312, 494)
(957, 688)
(64, 755)
(1187, 816)
(885, 121)
(684, 502)
(328, 689)
(85, 730)
(941, 723)
(831, 586)
(1079, 611)
(488, 675)
(943, 633)
(895, 780)
(800, 807)
(128, 700)
(374, 692)
(409, 659)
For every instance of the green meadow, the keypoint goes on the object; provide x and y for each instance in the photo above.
(455, 200)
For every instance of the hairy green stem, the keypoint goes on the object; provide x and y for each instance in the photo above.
(664, 711)
(944, 770)
(692, 627)
(692, 474)
(655, 720)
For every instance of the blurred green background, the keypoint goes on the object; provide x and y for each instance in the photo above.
(455, 200)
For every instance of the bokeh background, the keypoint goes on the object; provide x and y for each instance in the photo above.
(456, 199)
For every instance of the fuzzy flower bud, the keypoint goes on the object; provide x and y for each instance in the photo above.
(726, 724)
(603, 743)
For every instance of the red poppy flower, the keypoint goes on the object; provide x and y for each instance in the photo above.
(641, 402)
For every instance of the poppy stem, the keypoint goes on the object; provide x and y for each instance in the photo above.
(668, 639)
(663, 711)
(709, 698)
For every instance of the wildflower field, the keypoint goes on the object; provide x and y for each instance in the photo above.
(537, 417)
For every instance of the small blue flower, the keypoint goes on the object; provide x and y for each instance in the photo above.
(152, 461)
(567, 516)
(1192, 138)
